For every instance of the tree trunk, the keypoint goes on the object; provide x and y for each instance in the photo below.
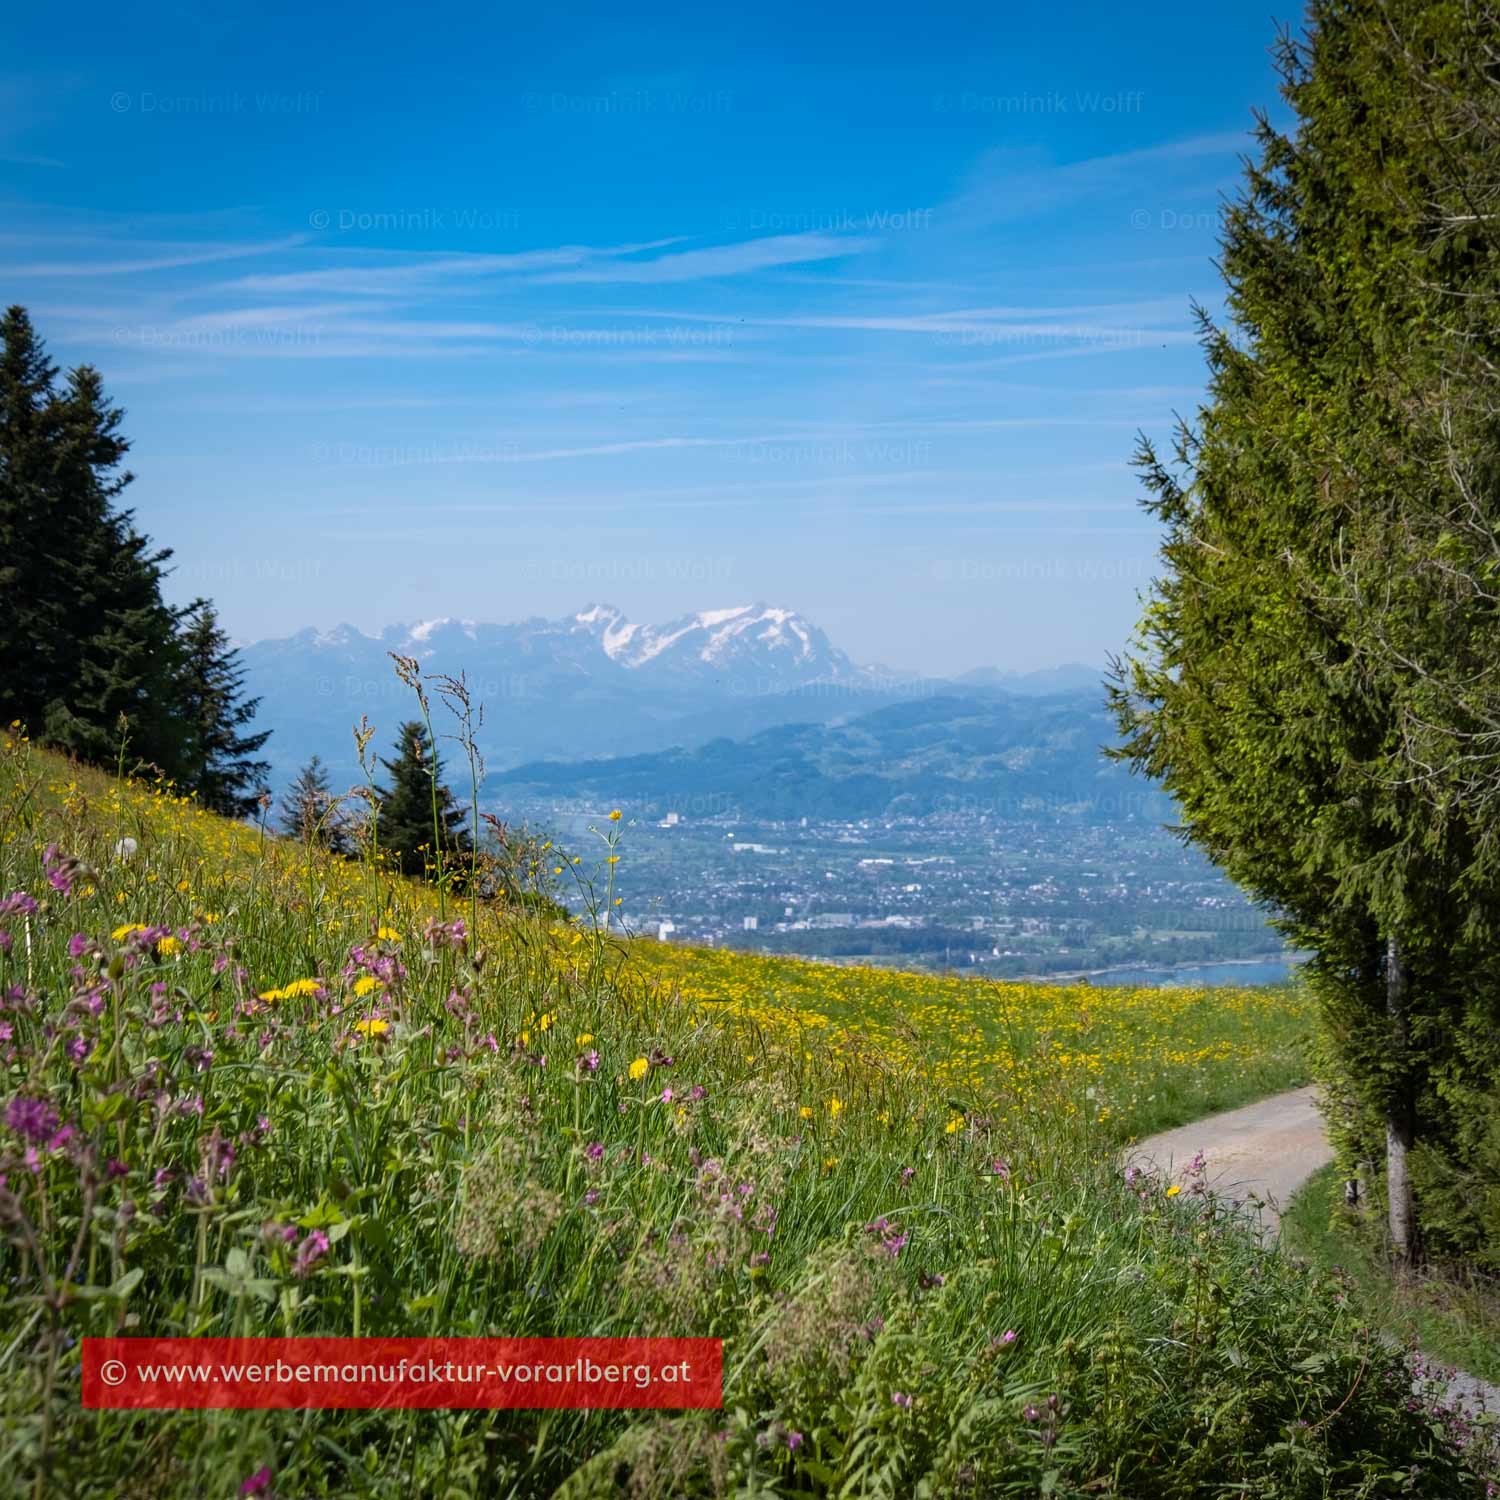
(1398, 1119)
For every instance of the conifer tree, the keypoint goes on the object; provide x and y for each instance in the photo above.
(406, 809)
(224, 772)
(308, 812)
(1277, 687)
(85, 635)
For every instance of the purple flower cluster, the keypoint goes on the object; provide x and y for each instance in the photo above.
(892, 1240)
(17, 904)
(309, 1252)
(33, 1120)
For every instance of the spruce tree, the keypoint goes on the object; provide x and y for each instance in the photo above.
(224, 772)
(406, 817)
(308, 812)
(1277, 686)
(85, 635)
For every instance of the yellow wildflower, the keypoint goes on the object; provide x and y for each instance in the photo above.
(638, 1068)
(372, 1026)
(1173, 1191)
(387, 935)
(167, 946)
(614, 817)
(300, 988)
(120, 933)
(835, 1108)
(955, 1123)
(364, 985)
(584, 1038)
(806, 1112)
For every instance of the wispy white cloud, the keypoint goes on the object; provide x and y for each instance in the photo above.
(415, 274)
(170, 260)
(1007, 185)
(721, 260)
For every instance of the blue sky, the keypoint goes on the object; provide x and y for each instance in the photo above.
(495, 312)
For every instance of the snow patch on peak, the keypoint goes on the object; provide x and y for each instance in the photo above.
(340, 635)
(711, 617)
(426, 629)
(597, 614)
(617, 637)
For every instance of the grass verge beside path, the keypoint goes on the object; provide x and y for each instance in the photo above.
(1455, 1319)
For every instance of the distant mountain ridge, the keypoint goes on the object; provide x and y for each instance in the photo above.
(1008, 758)
(588, 685)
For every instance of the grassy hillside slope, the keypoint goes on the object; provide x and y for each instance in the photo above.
(249, 1091)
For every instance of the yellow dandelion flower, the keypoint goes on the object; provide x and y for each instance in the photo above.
(835, 1108)
(614, 817)
(806, 1112)
(638, 1068)
(387, 935)
(1173, 1191)
(584, 1038)
(544, 1023)
(364, 985)
(299, 989)
(613, 859)
(167, 946)
(372, 1026)
(273, 995)
(183, 885)
(120, 933)
(955, 1123)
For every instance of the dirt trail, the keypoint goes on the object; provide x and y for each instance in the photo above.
(1266, 1151)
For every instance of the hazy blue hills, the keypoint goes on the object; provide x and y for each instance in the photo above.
(1001, 756)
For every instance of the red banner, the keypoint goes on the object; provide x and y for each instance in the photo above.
(325, 1373)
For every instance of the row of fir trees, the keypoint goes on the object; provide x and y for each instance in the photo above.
(93, 660)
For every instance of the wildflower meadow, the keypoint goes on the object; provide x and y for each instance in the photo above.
(252, 1088)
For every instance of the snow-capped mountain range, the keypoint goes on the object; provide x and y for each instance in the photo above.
(594, 683)
(776, 645)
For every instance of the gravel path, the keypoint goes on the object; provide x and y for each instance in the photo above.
(1264, 1153)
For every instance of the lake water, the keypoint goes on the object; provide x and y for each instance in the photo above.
(1258, 971)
